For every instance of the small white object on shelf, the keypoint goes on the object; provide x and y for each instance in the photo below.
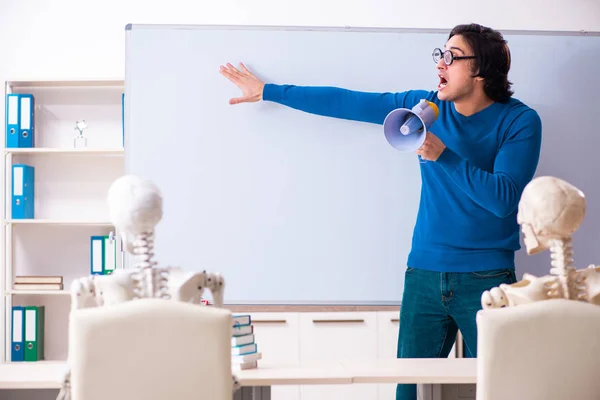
(80, 141)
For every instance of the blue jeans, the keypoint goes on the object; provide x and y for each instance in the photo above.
(434, 306)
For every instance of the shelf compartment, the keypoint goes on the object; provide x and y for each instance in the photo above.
(59, 105)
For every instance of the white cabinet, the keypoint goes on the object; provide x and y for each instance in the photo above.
(338, 336)
(278, 339)
(306, 336)
(387, 334)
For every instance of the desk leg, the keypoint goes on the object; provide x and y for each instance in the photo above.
(253, 393)
(429, 391)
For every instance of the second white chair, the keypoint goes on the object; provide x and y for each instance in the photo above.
(548, 350)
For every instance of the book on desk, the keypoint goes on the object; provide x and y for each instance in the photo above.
(244, 348)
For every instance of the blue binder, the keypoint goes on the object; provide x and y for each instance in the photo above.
(23, 191)
(18, 333)
(20, 121)
(97, 255)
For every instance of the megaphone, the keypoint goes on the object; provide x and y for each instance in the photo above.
(406, 129)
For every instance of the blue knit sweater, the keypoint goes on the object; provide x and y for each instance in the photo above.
(469, 196)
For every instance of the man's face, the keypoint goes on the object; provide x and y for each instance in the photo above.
(456, 81)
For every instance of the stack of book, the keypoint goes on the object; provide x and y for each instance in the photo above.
(38, 283)
(244, 350)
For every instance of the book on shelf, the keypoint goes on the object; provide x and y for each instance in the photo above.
(38, 282)
(244, 349)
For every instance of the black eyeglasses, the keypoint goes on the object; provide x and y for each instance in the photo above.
(447, 55)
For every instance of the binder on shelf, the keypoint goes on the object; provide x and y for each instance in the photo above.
(97, 255)
(20, 121)
(110, 254)
(17, 323)
(34, 333)
(103, 254)
(23, 191)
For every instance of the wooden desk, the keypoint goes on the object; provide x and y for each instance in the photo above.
(320, 373)
(425, 371)
(257, 382)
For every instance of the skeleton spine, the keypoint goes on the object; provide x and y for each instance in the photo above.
(561, 254)
(143, 247)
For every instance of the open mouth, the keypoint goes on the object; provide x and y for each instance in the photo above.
(443, 82)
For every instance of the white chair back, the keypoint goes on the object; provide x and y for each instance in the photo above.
(151, 349)
(540, 351)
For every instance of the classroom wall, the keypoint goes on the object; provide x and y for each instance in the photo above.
(71, 39)
(68, 39)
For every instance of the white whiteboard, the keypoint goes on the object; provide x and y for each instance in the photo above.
(291, 207)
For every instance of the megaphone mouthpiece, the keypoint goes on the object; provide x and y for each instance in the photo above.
(412, 125)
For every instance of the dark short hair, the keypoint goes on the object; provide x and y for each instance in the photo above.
(492, 58)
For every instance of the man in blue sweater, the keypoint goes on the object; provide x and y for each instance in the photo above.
(482, 151)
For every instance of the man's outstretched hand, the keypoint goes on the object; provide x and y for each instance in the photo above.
(250, 85)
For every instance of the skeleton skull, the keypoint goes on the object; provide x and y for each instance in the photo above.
(550, 208)
(135, 207)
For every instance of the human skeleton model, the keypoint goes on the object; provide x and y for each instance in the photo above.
(135, 208)
(550, 211)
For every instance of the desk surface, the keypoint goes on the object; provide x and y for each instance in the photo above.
(40, 375)
(444, 370)
(32, 375)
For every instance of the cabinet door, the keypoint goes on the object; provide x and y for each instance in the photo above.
(388, 324)
(338, 336)
(277, 338)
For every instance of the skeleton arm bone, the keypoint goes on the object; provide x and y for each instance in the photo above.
(83, 293)
(216, 285)
(527, 290)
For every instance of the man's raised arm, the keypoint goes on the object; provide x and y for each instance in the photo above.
(321, 100)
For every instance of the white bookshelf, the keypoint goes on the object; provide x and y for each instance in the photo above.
(71, 185)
